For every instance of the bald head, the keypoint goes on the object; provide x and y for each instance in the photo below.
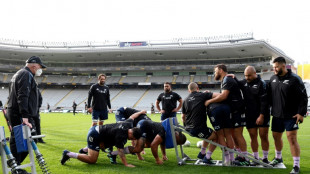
(250, 73)
(250, 69)
(192, 87)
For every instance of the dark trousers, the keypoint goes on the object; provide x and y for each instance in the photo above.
(74, 109)
(37, 123)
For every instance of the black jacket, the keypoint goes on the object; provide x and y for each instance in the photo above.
(99, 97)
(23, 98)
(255, 95)
(288, 95)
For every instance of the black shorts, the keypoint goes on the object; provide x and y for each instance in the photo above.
(251, 122)
(167, 115)
(281, 124)
(238, 119)
(201, 132)
(219, 115)
(93, 140)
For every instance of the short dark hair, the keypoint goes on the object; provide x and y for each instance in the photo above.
(182, 138)
(279, 60)
(136, 132)
(222, 67)
(168, 83)
(101, 75)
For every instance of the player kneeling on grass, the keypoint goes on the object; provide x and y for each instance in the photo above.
(103, 137)
(153, 135)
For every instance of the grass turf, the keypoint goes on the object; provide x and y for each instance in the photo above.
(65, 131)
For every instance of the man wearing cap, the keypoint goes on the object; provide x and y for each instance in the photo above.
(23, 99)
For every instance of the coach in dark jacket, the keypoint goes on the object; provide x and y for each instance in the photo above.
(23, 99)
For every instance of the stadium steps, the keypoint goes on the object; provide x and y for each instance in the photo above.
(192, 79)
(43, 90)
(174, 79)
(44, 79)
(73, 77)
(5, 77)
(141, 98)
(121, 80)
(90, 79)
(82, 102)
(117, 94)
(147, 79)
(63, 98)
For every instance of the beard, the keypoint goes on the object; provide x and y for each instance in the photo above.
(101, 83)
(217, 77)
(280, 72)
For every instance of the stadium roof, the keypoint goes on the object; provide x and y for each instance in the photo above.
(181, 49)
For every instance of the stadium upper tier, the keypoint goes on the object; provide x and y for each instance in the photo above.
(177, 54)
(201, 78)
(62, 99)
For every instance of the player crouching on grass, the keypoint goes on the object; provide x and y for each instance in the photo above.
(153, 135)
(103, 137)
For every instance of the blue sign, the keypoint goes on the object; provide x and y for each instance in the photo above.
(132, 44)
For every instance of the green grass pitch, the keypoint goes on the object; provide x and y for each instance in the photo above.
(65, 131)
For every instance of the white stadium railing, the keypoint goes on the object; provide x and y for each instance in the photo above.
(116, 44)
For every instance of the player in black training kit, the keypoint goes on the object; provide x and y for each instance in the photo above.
(257, 112)
(123, 113)
(154, 133)
(194, 117)
(231, 94)
(168, 100)
(106, 136)
(99, 100)
(289, 106)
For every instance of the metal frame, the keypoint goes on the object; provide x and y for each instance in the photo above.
(183, 159)
(4, 151)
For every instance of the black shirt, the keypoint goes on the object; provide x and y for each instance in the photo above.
(195, 110)
(99, 97)
(152, 129)
(235, 99)
(255, 95)
(114, 134)
(129, 111)
(169, 101)
(288, 95)
(74, 105)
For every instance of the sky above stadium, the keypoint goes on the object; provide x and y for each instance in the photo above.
(283, 23)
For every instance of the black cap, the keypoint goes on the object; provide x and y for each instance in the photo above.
(35, 59)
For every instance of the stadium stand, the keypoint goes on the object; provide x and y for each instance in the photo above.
(160, 79)
(150, 97)
(267, 75)
(54, 96)
(128, 98)
(135, 74)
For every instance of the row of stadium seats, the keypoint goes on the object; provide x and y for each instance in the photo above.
(184, 79)
(5, 78)
(63, 98)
